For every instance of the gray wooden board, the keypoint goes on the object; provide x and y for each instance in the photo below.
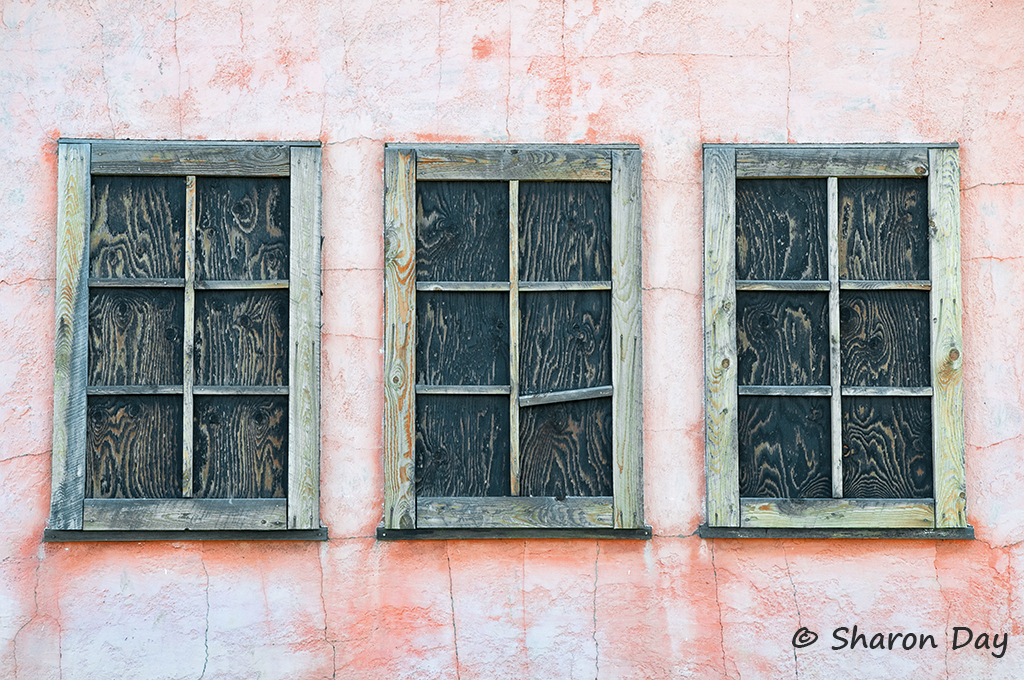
(831, 161)
(190, 158)
(513, 162)
(522, 512)
(187, 513)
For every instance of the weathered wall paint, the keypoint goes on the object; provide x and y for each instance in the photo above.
(666, 75)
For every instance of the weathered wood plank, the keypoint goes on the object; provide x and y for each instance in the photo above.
(508, 534)
(241, 338)
(241, 285)
(884, 338)
(836, 513)
(562, 286)
(566, 449)
(872, 391)
(513, 337)
(240, 447)
(565, 231)
(781, 229)
(463, 286)
(784, 390)
(304, 291)
(169, 158)
(190, 513)
(627, 340)
(832, 161)
(136, 283)
(189, 337)
(462, 389)
(461, 231)
(565, 395)
(788, 286)
(782, 338)
(109, 390)
(462, 445)
(834, 333)
(138, 227)
(784, 447)
(946, 340)
(885, 285)
(243, 228)
(134, 447)
(720, 362)
(399, 338)
(135, 336)
(513, 162)
(71, 337)
(501, 513)
(883, 229)
(240, 390)
(887, 447)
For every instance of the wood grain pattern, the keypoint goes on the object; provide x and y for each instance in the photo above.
(71, 337)
(240, 447)
(835, 354)
(513, 337)
(188, 337)
(136, 336)
(785, 447)
(837, 513)
(887, 448)
(198, 515)
(782, 338)
(244, 159)
(304, 293)
(884, 338)
(138, 227)
(243, 228)
(461, 231)
(567, 395)
(627, 340)
(241, 338)
(802, 286)
(947, 357)
(134, 447)
(565, 341)
(565, 449)
(399, 338)
(462, 339)
(720, 364)
(462, 445)
(565, 231)
(513, 162)
(883, 229)
(832, 161)
(505, 513)
(781, 229)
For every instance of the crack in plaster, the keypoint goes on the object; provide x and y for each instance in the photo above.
(508, 74)
(789, 70)
(440, 72)
(323, 605)
(103, 68)
(992, 184)
(597, 648)
(451, 599)
(32, 618)
(206, 633)
(522, 602)
(718, 603)
(45, 279)
(565, 73)
(938, 583)
(796, 603)
(177, 59)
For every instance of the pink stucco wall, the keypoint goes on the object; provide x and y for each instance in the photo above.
(666, 75)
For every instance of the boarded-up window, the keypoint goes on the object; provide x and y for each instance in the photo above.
(833, 351)
(188, 336)
(512, 338)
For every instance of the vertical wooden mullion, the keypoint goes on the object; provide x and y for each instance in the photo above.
(304, 339)
(71, 336)
(399, 339)
(513, 331)
(946, 338)
(189, 336)
(720, 376)
(835, 356)
(627, 347)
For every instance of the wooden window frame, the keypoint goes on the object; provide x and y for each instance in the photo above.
(76, 518)
(729, 515)
(405, 515)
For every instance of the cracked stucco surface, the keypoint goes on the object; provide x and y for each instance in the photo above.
(668, 76)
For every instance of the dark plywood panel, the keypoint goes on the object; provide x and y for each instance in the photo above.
(884, 338)
(565, 341)
(883, 229)
(138, 227)
(462, 231)
(242, 228)
(241, 338)
(240, 447)
(135, 336)
(462, 445)
(566, 449)
(133, 447)
(784, 447)
(887, 447)
(782, 338)
(782, 229)
(565, 231)
(462, 338)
